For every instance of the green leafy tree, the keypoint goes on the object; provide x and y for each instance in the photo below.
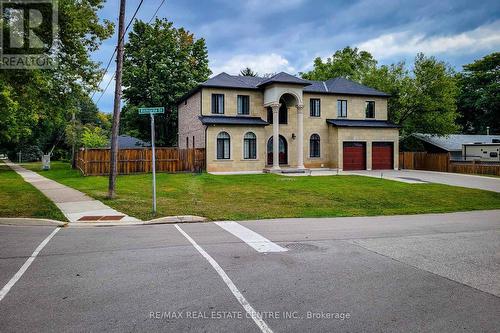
(349, 63)
(35, 105)
(162, 63)
(423, 100)
(479, 95)
(94, 137)
(247, 71)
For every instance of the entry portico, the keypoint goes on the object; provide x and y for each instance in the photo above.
(287, 90)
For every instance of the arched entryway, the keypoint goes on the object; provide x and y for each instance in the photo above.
(283, 151)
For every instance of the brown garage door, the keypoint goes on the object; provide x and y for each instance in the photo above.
(354, 156)
(382, 155)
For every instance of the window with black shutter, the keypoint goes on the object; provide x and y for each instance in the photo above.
(223, 146)
(217, 103)
(315, 107)
(250, 146)
(243, 104)
(314, 146)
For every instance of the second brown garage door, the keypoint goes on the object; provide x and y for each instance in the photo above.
(382, 155)
(354, 156)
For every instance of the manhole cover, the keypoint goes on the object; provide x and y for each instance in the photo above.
(302, 247)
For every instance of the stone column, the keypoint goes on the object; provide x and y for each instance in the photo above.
(300, 136)
(276, 135)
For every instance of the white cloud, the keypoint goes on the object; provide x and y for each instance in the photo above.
(485, 37)
(260, 63)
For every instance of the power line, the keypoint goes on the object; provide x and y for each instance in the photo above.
(156, 12)
(114, 52)
(109, 82)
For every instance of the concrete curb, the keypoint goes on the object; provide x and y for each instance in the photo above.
(27, 221)
(161, 220)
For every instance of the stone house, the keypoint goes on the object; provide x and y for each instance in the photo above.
(284, 122)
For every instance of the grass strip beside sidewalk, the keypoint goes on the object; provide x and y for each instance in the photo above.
(20, 199)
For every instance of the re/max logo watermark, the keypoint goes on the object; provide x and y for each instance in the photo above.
(28, 34)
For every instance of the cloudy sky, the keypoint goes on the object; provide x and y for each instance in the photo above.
(286, 35)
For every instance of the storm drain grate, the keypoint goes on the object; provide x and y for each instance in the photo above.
(302, 247)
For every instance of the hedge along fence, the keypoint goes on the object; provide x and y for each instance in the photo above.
(442, 163)
(95, 162)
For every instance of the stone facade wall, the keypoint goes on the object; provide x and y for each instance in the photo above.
(190, 125)
(230, 101)
(236, 161)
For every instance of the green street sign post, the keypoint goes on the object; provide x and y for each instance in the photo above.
(152, 112)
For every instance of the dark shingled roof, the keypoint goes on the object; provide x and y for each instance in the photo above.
(338, 85)
(283, 77)
(361, 123)
(126, 141)
(228, 120)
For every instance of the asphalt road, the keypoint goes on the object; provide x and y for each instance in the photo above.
(427, 273)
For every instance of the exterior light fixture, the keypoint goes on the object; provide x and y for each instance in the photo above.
(293, 136)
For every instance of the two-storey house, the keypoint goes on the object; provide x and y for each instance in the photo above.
(254, 124)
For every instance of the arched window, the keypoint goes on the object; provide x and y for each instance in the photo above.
(314, 146)
(249, 146)
(223, 146)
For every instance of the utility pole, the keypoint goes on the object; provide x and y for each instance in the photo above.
(113, 169)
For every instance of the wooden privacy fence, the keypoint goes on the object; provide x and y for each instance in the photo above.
(94, 162)
(442, 163)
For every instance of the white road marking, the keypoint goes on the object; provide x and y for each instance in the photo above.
(27, 264)
(258, 242)
(239, 296)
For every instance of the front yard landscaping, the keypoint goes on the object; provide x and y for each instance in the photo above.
(241, 197)
(20, 199)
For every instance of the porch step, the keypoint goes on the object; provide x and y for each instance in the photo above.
(286, 170)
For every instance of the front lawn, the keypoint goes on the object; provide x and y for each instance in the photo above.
(270, 196)
(21, 199)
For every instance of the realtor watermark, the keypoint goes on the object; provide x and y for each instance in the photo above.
(28, 34)
(309, 315)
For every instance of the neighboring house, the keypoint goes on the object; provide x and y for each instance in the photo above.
(127, 141)
(454, 144)
(484, 152)
(253, 124)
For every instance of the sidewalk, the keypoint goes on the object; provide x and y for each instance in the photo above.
(76, 206)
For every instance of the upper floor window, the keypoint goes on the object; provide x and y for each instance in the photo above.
(341, 108)
(223, 146)
(250, 146)
(314, 146)
(370, 109)
(283, 115)
(243, 104)
(315, 107)
(217, 103)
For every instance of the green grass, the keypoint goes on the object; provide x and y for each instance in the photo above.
(21, 199)
(270, 196)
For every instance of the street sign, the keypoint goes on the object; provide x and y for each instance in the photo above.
(152, 112)
(155, 110)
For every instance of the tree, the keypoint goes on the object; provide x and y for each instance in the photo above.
(247, 71)
(349, 63)
(422, 100)
(479, 95)
(94, 137)
(35, 105)
(162, 63)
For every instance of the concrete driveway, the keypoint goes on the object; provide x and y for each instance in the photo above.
(437, 272)
(418, 176)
